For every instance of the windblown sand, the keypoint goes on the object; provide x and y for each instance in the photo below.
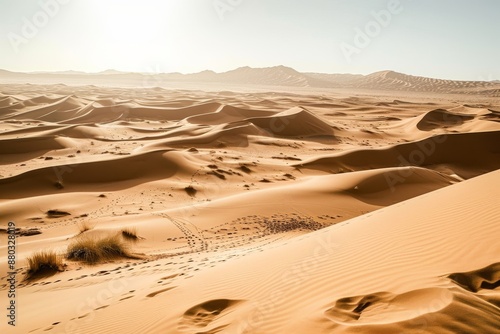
(263, 212)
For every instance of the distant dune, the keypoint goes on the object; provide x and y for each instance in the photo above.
(293, 123)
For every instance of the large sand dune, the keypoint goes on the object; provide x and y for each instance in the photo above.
(255, 211)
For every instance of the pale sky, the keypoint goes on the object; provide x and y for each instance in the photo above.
(449, 39)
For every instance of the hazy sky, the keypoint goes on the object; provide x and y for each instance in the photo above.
(455, 39)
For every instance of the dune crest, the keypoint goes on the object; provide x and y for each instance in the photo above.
(440, 118)
(292, 123)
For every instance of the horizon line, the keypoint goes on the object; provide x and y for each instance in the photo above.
(118, 72)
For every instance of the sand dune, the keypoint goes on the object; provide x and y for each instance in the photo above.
(362, 296)
(95, 175)
(293, 122)
(343, 211)
(440, 118)
(45, 110)
(31, 144)
(328, 281)
(492, 115)
(226, 114)
(466, 155)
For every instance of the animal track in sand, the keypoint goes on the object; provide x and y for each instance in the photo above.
(194, 236)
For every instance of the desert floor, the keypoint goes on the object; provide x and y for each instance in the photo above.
(253, 212)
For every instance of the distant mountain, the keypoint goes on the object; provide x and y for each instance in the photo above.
(5, 72)
(399, 81)
(71, 72)
(110, 72)
(278, 75)
(337, 79)
(269, 76)
(60, 72)
(200, 76)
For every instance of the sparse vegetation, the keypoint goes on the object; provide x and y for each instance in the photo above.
(245, 169)
(190, 190)
(43, 263)
(23, 232)
(57, 213)
(130, 233)
(97, 249)
(29, 232)
(84, 227)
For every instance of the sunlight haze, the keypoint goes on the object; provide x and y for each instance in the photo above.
(443, 39)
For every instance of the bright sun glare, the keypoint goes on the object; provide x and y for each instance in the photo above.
(139, 33)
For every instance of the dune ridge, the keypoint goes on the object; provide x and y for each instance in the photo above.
(466, 155)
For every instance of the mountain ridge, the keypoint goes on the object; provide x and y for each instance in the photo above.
(285, 77)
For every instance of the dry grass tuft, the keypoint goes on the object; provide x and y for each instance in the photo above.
(43, 263)
(97, 249)
(84, 227)
(130, 233)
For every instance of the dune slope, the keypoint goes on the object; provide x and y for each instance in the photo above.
(418, 266)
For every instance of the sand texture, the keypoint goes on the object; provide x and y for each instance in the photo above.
(286, 211)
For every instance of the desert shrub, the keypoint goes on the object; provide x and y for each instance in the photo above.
(97, 249)
(43, 263)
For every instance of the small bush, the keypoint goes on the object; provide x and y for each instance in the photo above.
(190, 190)
(94, 249)
(43, 263)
